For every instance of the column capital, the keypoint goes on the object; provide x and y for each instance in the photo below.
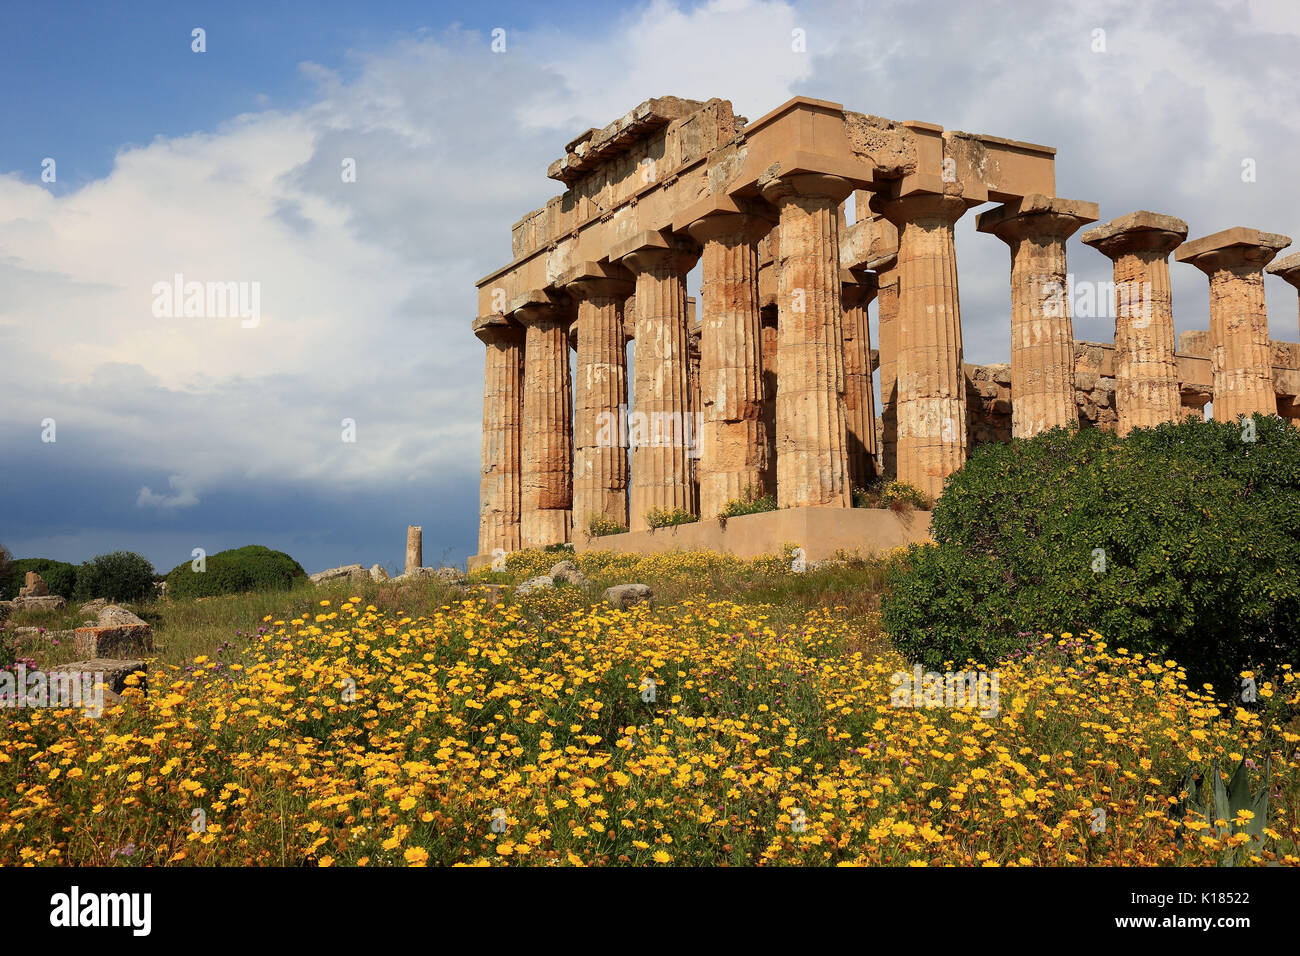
(1237, 247)
(1287, 269)
(1140, 231)
(539, 305)
(919, 206)
(495, 327)
(1038, 217)
(857, 287)
(748, 227)
(778, 189)
(589, 280)
(653, 250)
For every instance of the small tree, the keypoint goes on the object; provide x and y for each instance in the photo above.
(119, 576)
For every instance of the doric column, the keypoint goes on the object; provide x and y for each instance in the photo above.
(1042, 332)
(500, 480)
(812, 455)
(733, 435)
(1242, 356)
(661, 475)
(887, 335)
(1146, 371)
(694, 333)
(859, 399)
(600, 470)
(931, 405)
(1287, 269)
(547, 484)
(415, 537)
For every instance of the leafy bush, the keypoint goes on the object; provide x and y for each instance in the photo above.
(1179, 541)
(60, 576)
(895, 495)
(668, 518)
(118, 576)
(236, 571)
(600, 525)
(750, 503)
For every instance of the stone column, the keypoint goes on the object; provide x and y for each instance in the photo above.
(694, 332)
(1146, 371)
(859, 399)
(931, 406)
(770, 321)
(661, 475)
(887, 333)
(812, 455)
(1287, 269)
(415, 542)
(733, 434)
(547, 483)
(1042, 332)
(503, 393)
(600, 470)
(1242, 356)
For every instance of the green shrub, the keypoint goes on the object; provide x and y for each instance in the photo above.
(118, 576)
(895, 495)
(750, 503)
(60, 576)
(668, 518)
(1181, 541)
(236, 571)
(600, 525)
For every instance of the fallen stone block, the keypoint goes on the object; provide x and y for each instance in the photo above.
(115, 671)
(534, 584)
(625, 595)
(566, 572)
(50, 602)
(350, 572)
(120, 641)
(113, 615)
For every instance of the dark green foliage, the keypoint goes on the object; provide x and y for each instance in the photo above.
(118, 576)
(60, 576)
(239, 570)
(1180, 541)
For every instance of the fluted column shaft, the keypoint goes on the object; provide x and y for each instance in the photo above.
(500, 481)
(859, 399)
(1146, 369)
(733, 437)
(600, 468)
(812, 454)
(1242, 356)
(1042, 328)
(931, 406)
(887, 316)
(547, 485)
(661, 476)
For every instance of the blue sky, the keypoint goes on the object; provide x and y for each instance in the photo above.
(176, 433)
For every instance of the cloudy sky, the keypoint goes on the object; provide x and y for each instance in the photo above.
(126, 158)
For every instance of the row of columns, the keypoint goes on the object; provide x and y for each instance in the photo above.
(534, 494)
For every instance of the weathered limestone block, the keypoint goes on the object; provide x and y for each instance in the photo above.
(566, 572)
(624, 596)
(600, 467)
(733, 433)
(378, 574)
(539, 583)
(931, 405)
(414, 548)
(114, 670)
(1287, 269)
(350, 572)
(501, 476)
(988, 404)
(661, 473)
(120, 640)
(33, 586)
(546, 491)
(1242, 360)
(812, 452)
(1042, 332)
(859, 397)
(1146, 370)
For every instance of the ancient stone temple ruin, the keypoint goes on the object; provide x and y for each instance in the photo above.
(771, 390)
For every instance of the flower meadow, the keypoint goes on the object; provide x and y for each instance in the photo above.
(556, 730)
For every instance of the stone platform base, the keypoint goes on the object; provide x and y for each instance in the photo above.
(819, 531)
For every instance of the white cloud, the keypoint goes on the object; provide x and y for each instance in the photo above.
(184, 497)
